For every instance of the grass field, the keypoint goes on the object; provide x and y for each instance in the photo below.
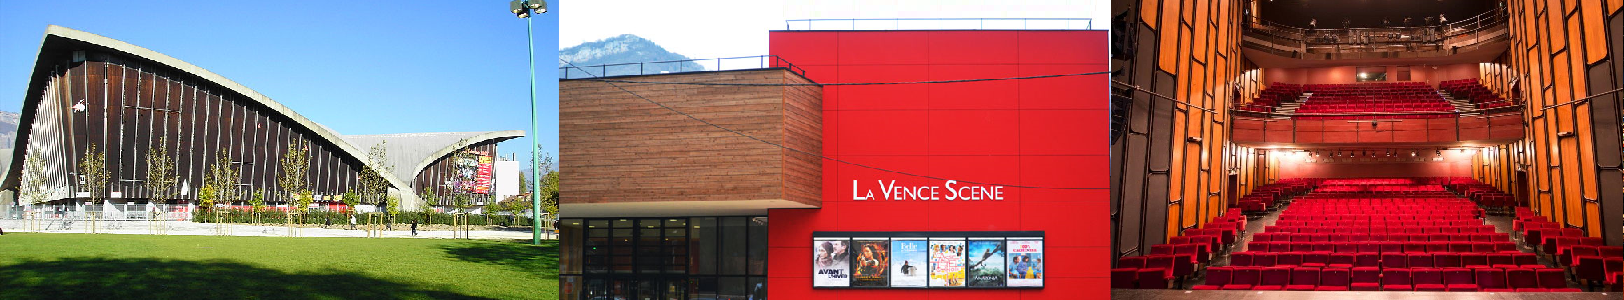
(107, 266)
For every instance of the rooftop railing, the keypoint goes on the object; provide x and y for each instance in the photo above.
(678, 66)
(1381, 42)
(942, 24)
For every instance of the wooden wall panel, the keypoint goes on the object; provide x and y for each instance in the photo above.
(1557, 63)
(623, 149)
(1190, 52)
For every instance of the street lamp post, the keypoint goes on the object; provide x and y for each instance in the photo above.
(522, 9)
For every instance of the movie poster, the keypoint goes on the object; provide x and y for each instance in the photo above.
(947, 263)
(871, 263)
(831, 263)
(908, 267)
(482, 174)
(986, 263)
(1025, 262)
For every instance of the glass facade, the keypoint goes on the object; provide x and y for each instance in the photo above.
(683, 258)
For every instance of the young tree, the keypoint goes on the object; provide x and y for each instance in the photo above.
(430, 198)
(295, 165)
(392, 209)
(35, 186)
(461, 202)
(161, 176)
(373, 185)
(93, 170)
(303, 200)
(351, 200)
(222, 177)
(257, 203)
(206, 196)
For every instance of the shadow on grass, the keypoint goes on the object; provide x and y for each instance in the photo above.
(516, 254)
(98, 278)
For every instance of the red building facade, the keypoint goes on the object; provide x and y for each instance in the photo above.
(1035, 143)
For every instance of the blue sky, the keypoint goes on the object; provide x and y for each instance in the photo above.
(359, 67)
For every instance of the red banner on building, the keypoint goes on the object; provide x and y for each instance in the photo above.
(482, 177)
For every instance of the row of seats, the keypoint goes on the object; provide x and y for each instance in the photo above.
(1273, 96)
(1515, 279)
(1385, 260)
(1383, 247)
(1367, 222)
(1271, 234)
(1374, 97)
(1587, 258)
(1188, 253)
(1483, 194)
(1380, 231)
(1474, 92)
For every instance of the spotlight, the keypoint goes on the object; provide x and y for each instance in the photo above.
(1412, 153)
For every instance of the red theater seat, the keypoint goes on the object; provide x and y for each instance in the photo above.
(1333, 280)
(1274, 279)
(1420, 260)
(1523, 280)
(1460, 280)
(1492, 280)
(1395, 260)
(1365, 259)
(1289, 259)
(1124, 278)
(1554, 280)
(1217, 277)
(1365, 279)
(1446, 260)
(1244, 259)
(1428, 280)
(1153, 278)
(1131, 262)
(1341, 260)
(1397, 280)
(1304, 279)
(1243, 278)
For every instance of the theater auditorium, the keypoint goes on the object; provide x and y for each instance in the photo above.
(1330, 149)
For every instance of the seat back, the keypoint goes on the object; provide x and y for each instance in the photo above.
(1458, 276)
(1420, 260)
(1245, 275)
(1446, 260)
(1395, 260)
(1521, 278)
(1219, 276)
(1490, 278)
(1241, 259)
(1134, 262)
(1289, 259)
(1366, 275)
(1427, 276)
(1275, 276)
(1124, 278)
(1396, 276)
(1552, 278)
(1334, 277)
(1305, 275)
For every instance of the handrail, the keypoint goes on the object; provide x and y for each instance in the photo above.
(643, 68)
(1463, 34)
(1377, 113)
(980, 23)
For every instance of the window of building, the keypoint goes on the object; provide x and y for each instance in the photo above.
(663, 258)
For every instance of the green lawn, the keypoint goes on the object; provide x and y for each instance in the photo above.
(108, 266)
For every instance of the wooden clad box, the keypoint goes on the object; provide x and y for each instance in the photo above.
(624, 156)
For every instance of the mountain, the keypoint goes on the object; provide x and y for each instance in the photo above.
(8, 128)
(625, 48)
